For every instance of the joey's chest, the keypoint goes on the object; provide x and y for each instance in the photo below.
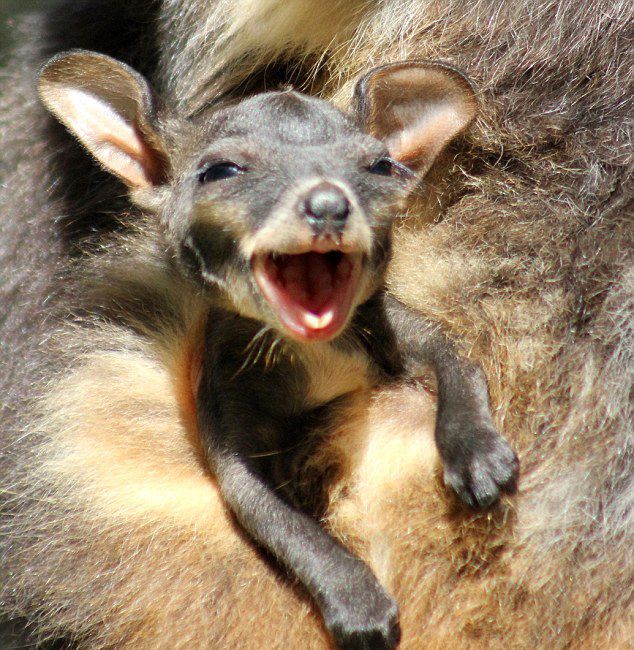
(331, 372)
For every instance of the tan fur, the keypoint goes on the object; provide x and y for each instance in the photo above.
(333, 373)
(121, 439)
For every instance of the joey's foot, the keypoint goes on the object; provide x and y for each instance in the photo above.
(362, 617)
(480, 466)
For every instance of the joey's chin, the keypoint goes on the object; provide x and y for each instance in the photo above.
(312, 294)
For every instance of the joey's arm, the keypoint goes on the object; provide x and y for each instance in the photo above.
(478, 461)
(356, 609)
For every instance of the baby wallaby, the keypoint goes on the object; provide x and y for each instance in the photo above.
(279, 209)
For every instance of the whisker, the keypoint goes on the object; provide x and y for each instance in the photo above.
(274, 351)
(253, 353)
(275, 452)
(283, 484)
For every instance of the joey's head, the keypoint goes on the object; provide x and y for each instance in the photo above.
(281, 201)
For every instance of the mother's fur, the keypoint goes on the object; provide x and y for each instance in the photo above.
(113, 533)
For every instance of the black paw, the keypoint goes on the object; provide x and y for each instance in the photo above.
(481, 468)
(368, 621)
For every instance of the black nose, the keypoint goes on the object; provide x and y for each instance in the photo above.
(327, 205)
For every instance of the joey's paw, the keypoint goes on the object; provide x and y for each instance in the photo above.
(481, 471)
(368, 622)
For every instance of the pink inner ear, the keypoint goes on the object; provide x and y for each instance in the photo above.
(417, 109)
(115, 141)
(135, 162)
(428, 130)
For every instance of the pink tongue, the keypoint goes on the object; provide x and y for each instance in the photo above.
(308, 279)
(311, 293)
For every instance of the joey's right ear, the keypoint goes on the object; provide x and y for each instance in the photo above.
(111, 109)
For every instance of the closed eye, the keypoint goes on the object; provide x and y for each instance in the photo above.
(219, 171)
(385, 166)
(382, 167)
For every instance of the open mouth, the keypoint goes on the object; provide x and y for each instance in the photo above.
(311, 293)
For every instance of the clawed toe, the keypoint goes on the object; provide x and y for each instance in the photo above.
(484, 475)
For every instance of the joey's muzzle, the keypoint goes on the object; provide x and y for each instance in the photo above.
(311, 259)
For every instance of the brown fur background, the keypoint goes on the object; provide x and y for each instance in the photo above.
(112, 530)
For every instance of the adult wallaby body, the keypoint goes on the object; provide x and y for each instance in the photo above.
(526, 262)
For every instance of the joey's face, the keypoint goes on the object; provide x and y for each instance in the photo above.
(289, 208)
(281, 201)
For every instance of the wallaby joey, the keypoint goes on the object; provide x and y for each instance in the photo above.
(278, 209)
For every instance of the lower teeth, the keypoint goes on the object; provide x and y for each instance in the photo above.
(318, 322)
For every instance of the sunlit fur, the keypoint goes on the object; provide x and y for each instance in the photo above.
(520, 249)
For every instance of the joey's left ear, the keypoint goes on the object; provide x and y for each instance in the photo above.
(416, 108)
